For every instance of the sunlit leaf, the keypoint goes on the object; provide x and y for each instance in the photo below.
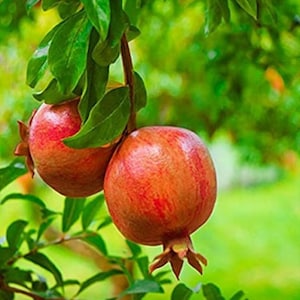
(43, 261)
(212, 292)
(72, 211)
(43, 227)
(90, 211)
(14, 170)
(135, 249)
(182, 292)
(132, 32)
(213, 16)
(140, 93)
(95, 81)
(96, 241)
(38, 63)
(249, 6)
(27, 197)
(106, 121)
(107, 221)
(97, 278)
(106, 52)
(143, 264)
(98, 12)
(68, 51)
(14, 233)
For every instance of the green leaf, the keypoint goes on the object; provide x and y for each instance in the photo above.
(142, 287)
(96, 241)
(6, 254)
(30, 4)
(135, 249)
(52, 94)
(72, 210)
(98, 277)
(140, 93)
(6, 295)
(18, 276)
(132, 32)
(26, 197)
(47, 4)
(267, 13)
(211, 292)
(225, 10)
(249, 6)
(14, 233)
(43, 261)
(106, 52)
(238, 295)
(14, 170)
(107, 220)
(133, 9)
(90, 210)
(143, 264)
(68, 51)
(182, 292)
(96, 81)
(68, 8)
(38, 63)
(106, 121)
(98, 12)
(213, 16)
(43, 227)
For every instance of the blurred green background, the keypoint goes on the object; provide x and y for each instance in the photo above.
(238, 88)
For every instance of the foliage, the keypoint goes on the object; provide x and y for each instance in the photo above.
(75, 58)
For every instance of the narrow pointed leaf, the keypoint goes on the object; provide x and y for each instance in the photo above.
(212, 292)
(140, 93)
(72, 210)
(90, 211)
(213, 16)
(249, 6)
(43, 261)
(135, 249)
(47, 4)
(6, 254)
(225, 10)
(97, 278)
(98, 12)
(106, 122)
(18, 276)
(38, 63)
(30, 4)
(237, 296)
(14, 233)
(68, 51)
(14, 170)
(96, 81)
(68, 8)
(26, 197)
(182, 292)
(96, 241)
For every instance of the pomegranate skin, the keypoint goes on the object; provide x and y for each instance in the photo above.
(71, 172)
(160, 186)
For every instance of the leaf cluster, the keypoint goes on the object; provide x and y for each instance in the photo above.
(74, 59)
(25, 241)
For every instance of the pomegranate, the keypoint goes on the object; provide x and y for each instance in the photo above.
(71, 172)
(160, 186)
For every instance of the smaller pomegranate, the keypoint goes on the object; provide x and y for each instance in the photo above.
(160, 186)
(71, 172)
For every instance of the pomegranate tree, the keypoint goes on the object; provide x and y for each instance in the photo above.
(71, 172)
(160, 186)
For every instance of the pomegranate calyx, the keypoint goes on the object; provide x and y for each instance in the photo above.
(174, 252)
(22, 149)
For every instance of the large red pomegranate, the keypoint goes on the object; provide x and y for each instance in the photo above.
(71, 172)
(160, 186)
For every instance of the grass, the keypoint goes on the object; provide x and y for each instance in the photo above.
(251, 243)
